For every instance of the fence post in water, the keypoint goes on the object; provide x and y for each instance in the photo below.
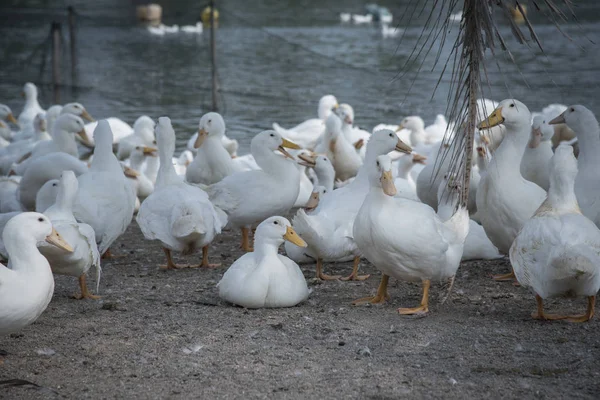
(213, 56)
(56, 53)
(73, 43)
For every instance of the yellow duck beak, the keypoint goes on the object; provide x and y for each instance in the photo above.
(313, 201)
(558, 120)
(419, 159)
(130, 172)
(399, 128)
(11, 118)
(56, 240)
(403, 147)
(292, 237)
(493, 120)
(307, 161)
(387, 183)
(85, 115)
(290, 145)
(202, 135)
(149, 151)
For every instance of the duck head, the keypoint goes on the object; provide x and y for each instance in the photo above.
(327, 103)
(511, 113)
(77, 109)
(211, 124)
(30, 91)
(412, 123)
(541, 131)
(381, 176)
(7, 115)
(315, 196)
(346, 113)
(37, 228)
(272, 141)
(384, 141)
(578, 118)
(71, 123)
(276, 230)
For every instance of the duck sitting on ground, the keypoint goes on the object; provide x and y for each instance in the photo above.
(264, 278)
(27, 285)
(557, 252)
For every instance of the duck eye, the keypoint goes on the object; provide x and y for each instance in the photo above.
(209, 121)
(41, 219)
(272, 135)
(378, 163)
(276, 222)
(391, 134)
(54, 184)
(572, 109)
(512, 105)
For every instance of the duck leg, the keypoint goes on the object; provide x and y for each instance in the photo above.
(382, 295)
(246, 240)
(505, 277)
(170, 263)
(205, 262)
(354, 275)
(424, 307)
(321, 275)
(85, 294)
(589, 313)
(539, 314)
(108, 255)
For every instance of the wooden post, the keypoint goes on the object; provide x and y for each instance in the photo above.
(56, 53)
(73, 43)
(213, 56)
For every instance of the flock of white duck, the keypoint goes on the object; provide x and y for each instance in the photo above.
(387, 196)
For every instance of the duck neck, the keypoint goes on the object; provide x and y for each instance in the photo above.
(447, 204)
(104, 160)
(213, 147)
(136, 162)
(62, 209)
(508, 156)
(561, 194)
(326, 179)
(265, 248)
(152, 166)
(166, 171)
(65, 142)
(405, 165)
(417, 136)
(589, 145)
(24, 255)
(272, 163)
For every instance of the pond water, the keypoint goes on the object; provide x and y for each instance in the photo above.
(275, 60)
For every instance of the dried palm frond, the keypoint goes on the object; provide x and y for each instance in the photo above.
(478, 33)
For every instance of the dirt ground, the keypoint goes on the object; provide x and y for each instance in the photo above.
(166, 334)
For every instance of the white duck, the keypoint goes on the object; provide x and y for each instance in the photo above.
(264, 278)
(385, 233)
(177, 214)
(26, 286)
(143, 184)
(477, 245)
(63, 140)
(118, 127)
(80, 237)
(343, 155)
(6, 115)
(328, 230)
(182, 162)
(306, 185)
(557, 252)
(405, 184)
(31, 108)
(325, 173)
(536, 159)
(18, 151)
(505, 200)
(43, 169)
(356, 136)
(308, 132)
(212, 162)
(242, 195)
(587, 185)
(192, 28)
(9, 187)
(143, 135)
(46, 196)
(105, 200)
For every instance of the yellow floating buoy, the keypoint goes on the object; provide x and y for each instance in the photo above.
(517, 15)
(149, 12)
(205, 16)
